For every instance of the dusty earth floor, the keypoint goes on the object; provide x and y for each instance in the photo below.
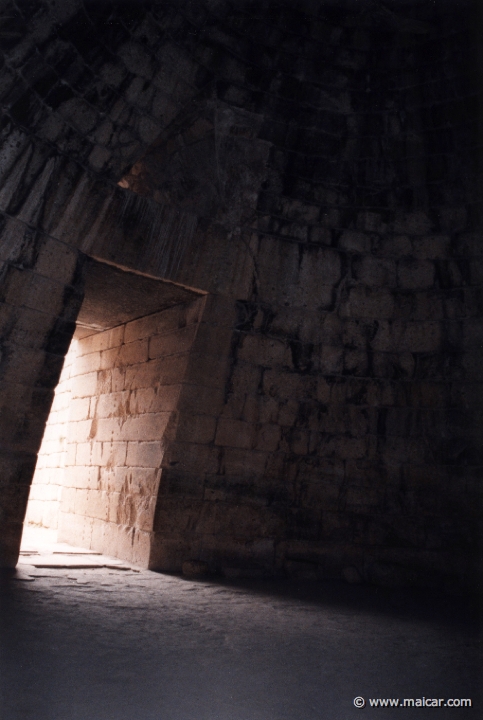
(89, 640)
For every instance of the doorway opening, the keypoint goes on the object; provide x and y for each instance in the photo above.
(99, 465)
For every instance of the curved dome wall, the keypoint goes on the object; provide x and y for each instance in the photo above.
(315, 166)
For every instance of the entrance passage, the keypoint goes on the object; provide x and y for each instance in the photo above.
(99, 465)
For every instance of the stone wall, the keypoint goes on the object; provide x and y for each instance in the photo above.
(41, 295)
(48, 480)
(315, 166)
(125, 385)
(354, 411)
(352, 406)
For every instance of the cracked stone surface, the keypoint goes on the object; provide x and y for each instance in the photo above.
(84, 643)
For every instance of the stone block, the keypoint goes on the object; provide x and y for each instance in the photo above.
(196, 428)
(75, 529)
(340, 446)
(321, 490)
(133, 353)
(100, 341)
(251, 409)
(365, 302)
(233, 407)
(162, 371)
(260, 350)
(128, 480)
(453, 219)
(168, 553)
(413, 223)
(184, 484)
(34, 514)
(330, 359)
(423, 337)
(431, 247)
(268, 408)
(213, 338)
(356, 362)
(299, 441)
(320, 235)
(70, 454)
(415, 274)
(153, 400)
(288, 413)
(113, 453)
(67, 500)
(396, 246)
(393, 365)
(220, 310)
(82, 477)
(49, 446)
(245, 378)
(235, 556)
(44, 476)
(199, 399)
(150, 426)
(374, 272)
(81, 502)
(56, 260)
(113, 501)
(110, 405)
(175, 343)
(282, 385)
(113, 479)
(110, 358)
(180, 517)
(144, 454)
(468, 244)
(99, 505)
(267, 437)
(27, 327)
(157, 324)
(84, 385)
(80, 430)
(195, 568)
(234, 433)
(193, 312)
(88, 453)
(87, 363)
(30, 367)
(48, 492)
(363, 499)
(35, 292)
(355, 241)
(207, 370)
(240, 462)
(107, 429)
(79, 409)
(312, 292)
(192, 458)
(423, 306)
(246, 522)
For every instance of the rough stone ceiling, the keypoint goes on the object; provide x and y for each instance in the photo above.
(114, 296)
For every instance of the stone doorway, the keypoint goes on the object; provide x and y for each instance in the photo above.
(99, 466)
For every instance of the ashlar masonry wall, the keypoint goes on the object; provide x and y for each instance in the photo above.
(105, 440)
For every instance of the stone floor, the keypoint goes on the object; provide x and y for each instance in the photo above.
(84, 637)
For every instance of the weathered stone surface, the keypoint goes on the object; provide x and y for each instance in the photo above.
(321, 184)
(101, 454)
(194, 568)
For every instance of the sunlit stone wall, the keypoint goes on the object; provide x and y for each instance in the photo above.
(46, 489)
